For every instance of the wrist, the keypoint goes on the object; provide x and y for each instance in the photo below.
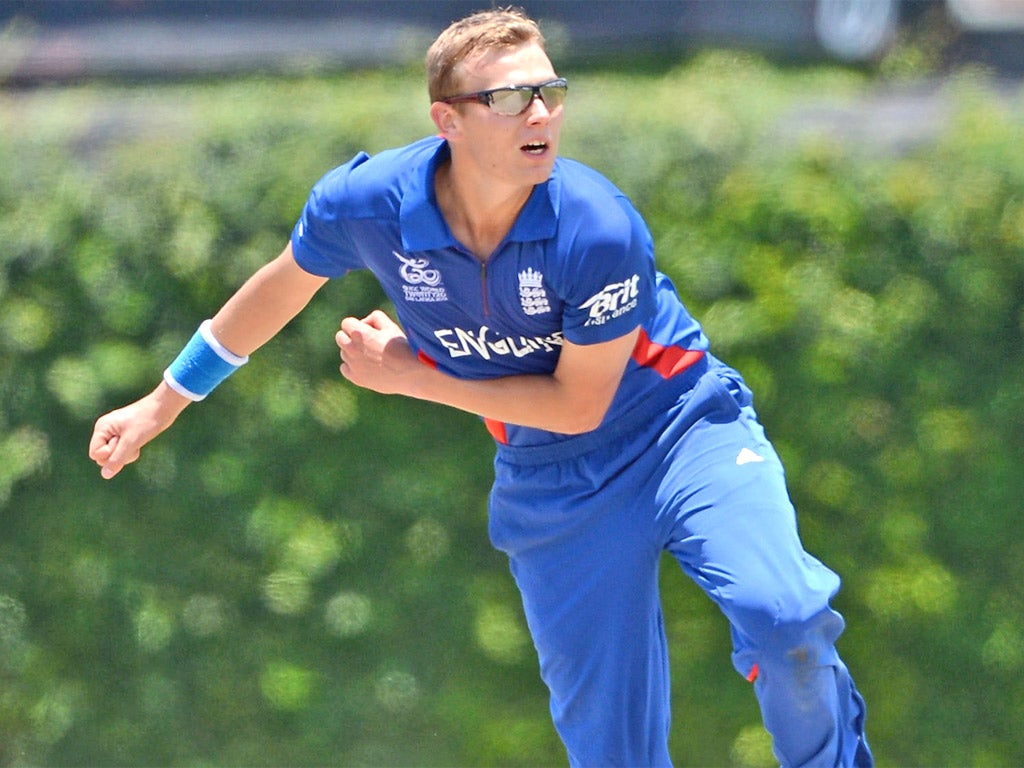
(168, 401)
(201, 365)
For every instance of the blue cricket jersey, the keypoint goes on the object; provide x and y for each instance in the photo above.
(578, 264)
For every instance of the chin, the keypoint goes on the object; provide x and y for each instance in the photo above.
(541, 171)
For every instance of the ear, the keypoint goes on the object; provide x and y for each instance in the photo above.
(446, 118)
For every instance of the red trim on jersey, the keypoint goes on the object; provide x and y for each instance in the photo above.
(667, 361)
(426, 359)
(754, 670)
(497, 430)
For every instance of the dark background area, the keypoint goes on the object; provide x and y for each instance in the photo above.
(60, 40)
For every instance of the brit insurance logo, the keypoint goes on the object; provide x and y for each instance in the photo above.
(612, 301)
(422, 282)
(532, 296)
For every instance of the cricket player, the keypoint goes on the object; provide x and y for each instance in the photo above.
(526, 293)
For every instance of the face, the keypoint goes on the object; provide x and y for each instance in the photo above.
(518, 150)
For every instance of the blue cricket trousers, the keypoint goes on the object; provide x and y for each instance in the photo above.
(584, 524)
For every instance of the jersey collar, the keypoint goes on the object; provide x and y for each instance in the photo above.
(424, 227)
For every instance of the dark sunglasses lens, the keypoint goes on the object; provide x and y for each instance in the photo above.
(514, 101)
(553, 95)
(510, 101)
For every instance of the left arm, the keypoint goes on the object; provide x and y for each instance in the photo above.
(574, 398)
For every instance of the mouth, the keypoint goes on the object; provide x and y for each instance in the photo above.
(535, 148)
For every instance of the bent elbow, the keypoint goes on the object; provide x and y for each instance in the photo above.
(584, 419)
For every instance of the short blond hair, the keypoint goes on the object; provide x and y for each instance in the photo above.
(497, 28)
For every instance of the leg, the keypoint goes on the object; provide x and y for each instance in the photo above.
(734, 531)
(588, 575)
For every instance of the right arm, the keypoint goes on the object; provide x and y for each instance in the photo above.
(265, 304)
(249, 319)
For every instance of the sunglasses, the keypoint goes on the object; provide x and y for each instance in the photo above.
(516, 99)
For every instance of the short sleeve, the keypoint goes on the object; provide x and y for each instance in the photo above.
(320, 242)
(612, 275)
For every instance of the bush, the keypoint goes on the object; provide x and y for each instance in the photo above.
(298, 573)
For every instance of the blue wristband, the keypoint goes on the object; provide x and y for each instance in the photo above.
(201, 365)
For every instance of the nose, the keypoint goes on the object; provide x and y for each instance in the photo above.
(537, 109)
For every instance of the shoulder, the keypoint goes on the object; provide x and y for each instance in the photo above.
(583, 185)
(367, 182)
(590, 206)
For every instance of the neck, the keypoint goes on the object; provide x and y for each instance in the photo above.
(479, 215)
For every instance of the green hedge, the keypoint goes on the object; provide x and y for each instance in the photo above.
(298, 573)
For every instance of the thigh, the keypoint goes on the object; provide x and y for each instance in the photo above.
(731, 525)
(584, 560)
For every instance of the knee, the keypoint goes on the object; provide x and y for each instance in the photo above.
(792, 628)
(799, 640)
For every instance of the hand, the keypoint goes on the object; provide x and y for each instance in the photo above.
(375, 354)
(119, 436)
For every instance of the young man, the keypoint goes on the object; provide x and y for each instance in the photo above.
(527, 294)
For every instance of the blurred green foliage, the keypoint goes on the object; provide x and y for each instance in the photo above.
(298, 572)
